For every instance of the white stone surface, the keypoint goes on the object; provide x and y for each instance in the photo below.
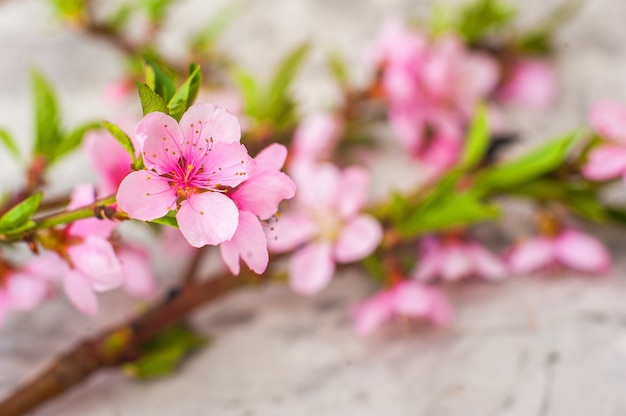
(552, 346)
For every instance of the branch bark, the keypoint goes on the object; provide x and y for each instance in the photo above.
(118, 344)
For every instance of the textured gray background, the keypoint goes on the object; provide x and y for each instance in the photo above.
(547, 346)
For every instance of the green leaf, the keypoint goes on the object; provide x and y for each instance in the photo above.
(480, 18)
(19, 215)
(168, 219)
(215, 27)
(477, 140)
(250, 91)
(164, 352)
(9, 143)
(156, 9)
(283, 78)
(123, 139)
(455, 210)
(118, 19)
(528, 167)
(186, 94)
(160, 80)
(69, 9)
(150, 100)
(73, 139)
(337, 68)
(47, 130)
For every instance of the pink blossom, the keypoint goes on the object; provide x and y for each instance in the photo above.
(608, 160)
(408, 299)
(453, 259)
(531, 82)
(139, 278)
(257, 199)
(570, 248)
(118, 90)
(21, 289)
(189, 168)
(325, 226)
(315, 138)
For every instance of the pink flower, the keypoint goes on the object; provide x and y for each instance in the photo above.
(453, 259)
(531, 82)
(111, 161)
(22, 289)
(139, 279)
(325, 227)
(407, 299)
(189, 168)
(608, 160)
(257, 199)
(570, 248)
(315, 138)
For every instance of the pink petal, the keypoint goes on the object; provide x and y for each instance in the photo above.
(139, 279)
(456, 263)
(288, 231)
(271, 158)
(532, 82)
(315, 136)
(311, 268)
(317, 184)
(358, 239)
(203, 122)
(411, 299)
(249, 243)
(605, 162)
(83, 195)
(109, 158)
(477, 77)
(209, 218)
(609, 120)
(228, 164)
(352, 191)
(97, 262)
(430, 260)
(582, 252)
(531, 255)
(25, 291)
(440, 312)
(145, 195)
(80, 293)
(370, 314)
(160, 139)
(262, 194)
(487, 264)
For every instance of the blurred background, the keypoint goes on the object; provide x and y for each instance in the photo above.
(527, 347)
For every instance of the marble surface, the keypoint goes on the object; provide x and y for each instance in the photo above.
(546, 346)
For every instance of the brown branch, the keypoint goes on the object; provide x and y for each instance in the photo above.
(119, 344)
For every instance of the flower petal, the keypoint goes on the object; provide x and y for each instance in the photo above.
(249, 243)
(370, 314)
(430, 260)
(289, 231)
(160, 139)
(145, 195)
(531, 255)
(311, 268)
(97, 262)
(203, 122)
(25, 291)
(271, 158)
(227, 164)
(486, 264)
(609, 120)
(358, 239)
(605, 162)
(80, 293)
(261, 195)
(456, 263)
(209, 218)
(582, 252)
(139, 279)
(352, 191)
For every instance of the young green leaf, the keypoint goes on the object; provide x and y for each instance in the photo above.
(528, 167)
(73, 139)
(19, 215)
(337, 68)
(47, 130)
(9, 143)
(214, 28)
(186, 94)
(477, 139)
(122, 138)
(283, 78)
(168, 219)
(150, 100)
(160, 80)
(250, 91)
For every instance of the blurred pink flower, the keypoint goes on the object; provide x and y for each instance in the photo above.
(257, 199)
(119, 90)
(407, 299)
(570, 248)
(22, 289)
(531, 82)
(325, 226)
(188, 169)
(453, 259)
(315, 138)
(608, 160)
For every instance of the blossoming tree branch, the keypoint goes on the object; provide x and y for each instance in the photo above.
(240, 170)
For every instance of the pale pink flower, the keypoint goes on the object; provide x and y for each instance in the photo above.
(408, 299)
(325, 227)
(453, 259)
(531, 82)
(570, 248)
(315, 138)
(22, 289)
(139, 279)
(189, 168)
(257, 199)
(111, 161)
(608, 160)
